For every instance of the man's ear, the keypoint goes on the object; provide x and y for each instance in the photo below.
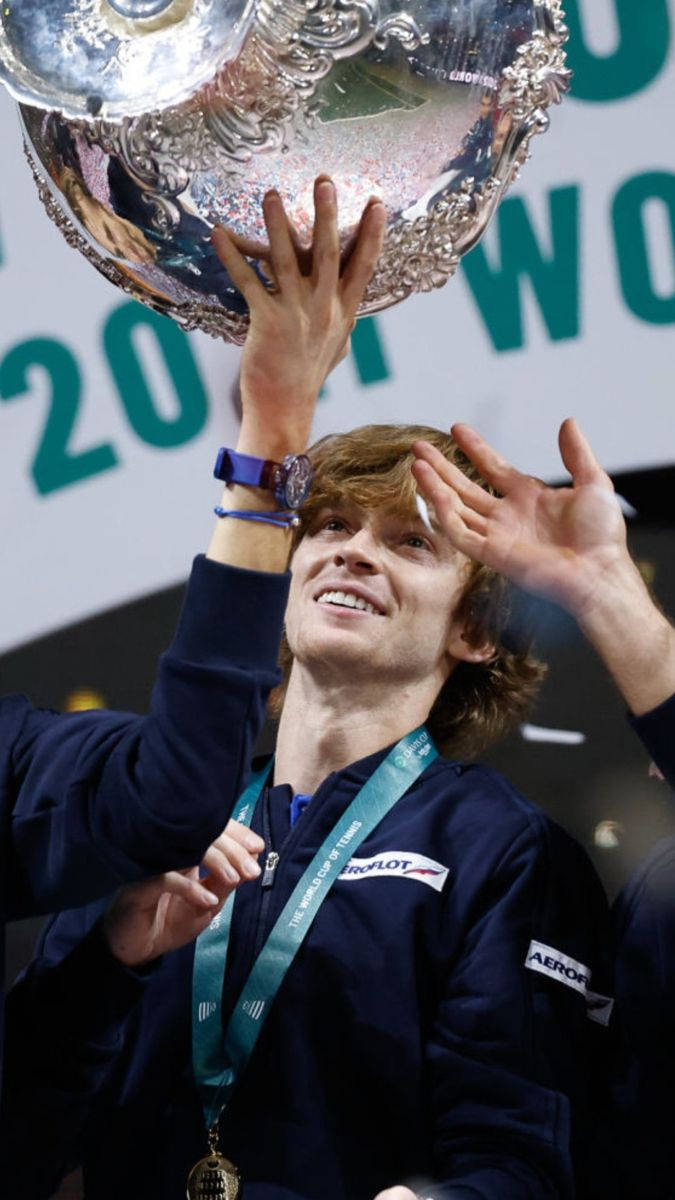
(462, 649)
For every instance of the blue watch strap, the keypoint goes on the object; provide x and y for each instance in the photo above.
(239, 468)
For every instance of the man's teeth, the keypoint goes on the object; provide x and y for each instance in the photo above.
(347, 600)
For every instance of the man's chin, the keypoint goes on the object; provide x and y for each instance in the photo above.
(339, 649)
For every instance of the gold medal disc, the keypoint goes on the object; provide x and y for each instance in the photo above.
(213, 1178)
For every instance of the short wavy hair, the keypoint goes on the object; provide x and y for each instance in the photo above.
(479, 702)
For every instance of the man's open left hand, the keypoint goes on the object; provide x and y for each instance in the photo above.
(557, 542)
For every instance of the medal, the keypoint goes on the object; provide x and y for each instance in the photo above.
(213, 1177)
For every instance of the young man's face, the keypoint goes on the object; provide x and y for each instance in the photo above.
(373, 596)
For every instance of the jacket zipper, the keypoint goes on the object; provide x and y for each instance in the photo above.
(271, 861)
(270, 867)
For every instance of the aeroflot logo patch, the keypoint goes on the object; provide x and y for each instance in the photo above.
(403, 863)
(566, 970)
(558, 966)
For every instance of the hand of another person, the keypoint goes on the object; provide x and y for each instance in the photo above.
(299, 329)
(557, 542)
(396, 1193)
(162, 914)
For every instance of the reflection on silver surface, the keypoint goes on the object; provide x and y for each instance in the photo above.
(138, 10)
(431, 109)
(116, 58)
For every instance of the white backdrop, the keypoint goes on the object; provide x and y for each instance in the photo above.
(108, 434)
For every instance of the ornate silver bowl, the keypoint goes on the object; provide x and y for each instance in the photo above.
(432, 108)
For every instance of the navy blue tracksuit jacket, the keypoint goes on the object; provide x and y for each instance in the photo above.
(432, 1030)
(91, 800)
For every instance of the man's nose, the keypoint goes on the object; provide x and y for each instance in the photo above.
(359, 553)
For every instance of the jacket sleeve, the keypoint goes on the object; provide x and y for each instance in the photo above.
(100, 798)
(636, 1151)
(66, 1021)
(657, 731)
(513, 1054)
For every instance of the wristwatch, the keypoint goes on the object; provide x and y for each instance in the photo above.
(289, 481)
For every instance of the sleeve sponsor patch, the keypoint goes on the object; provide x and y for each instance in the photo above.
(548, 961)
(556, 965)
(404, 864)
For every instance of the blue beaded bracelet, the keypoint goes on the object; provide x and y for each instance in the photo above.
(283, 520)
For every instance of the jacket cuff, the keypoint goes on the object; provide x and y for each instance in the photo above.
(93, 992)
(657, 731)
(220, 602)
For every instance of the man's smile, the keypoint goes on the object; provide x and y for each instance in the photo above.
(351, 598)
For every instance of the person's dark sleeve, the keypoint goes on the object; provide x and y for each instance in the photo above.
(99, 798)
(66, 1019)
(657, 731)
(636, 1153)
(512, 1052)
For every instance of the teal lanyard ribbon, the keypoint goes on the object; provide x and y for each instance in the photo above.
(219, 1059)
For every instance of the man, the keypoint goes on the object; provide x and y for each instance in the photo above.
(91, 800)
(569, 545)
(417, 1015)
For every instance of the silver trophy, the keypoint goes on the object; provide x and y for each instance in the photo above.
(431, 107)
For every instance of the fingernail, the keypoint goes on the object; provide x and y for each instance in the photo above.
(252, 869)
(210, 897)
(375, 210)
(231, 875)
(325, 190)
(254, 844)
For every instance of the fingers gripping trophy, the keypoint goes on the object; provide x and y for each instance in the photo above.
(148, 123)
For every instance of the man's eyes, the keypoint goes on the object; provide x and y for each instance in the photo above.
(328, 525)
(407, 539)
(417, 541)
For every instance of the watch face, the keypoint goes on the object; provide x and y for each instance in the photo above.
(298, 480)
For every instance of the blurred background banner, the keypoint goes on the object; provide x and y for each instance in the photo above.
(110, 416)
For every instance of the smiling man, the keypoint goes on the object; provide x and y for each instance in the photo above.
(401, 1003)
(383, 609)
